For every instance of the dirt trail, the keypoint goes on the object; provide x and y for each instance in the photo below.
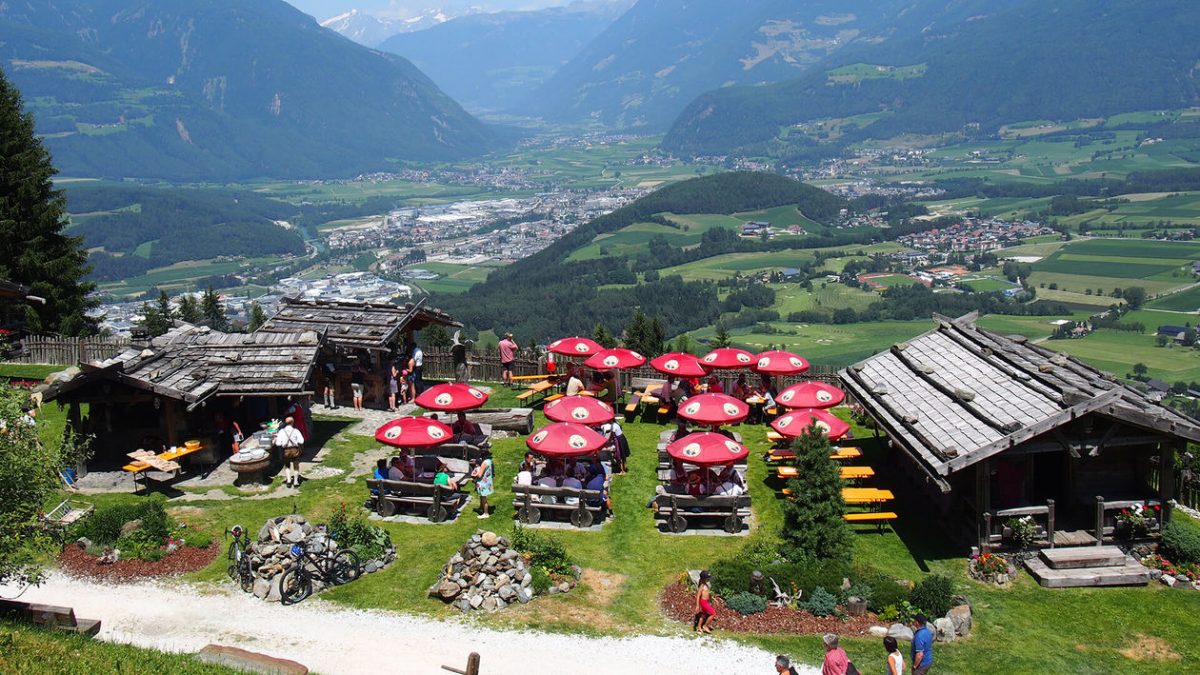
(330, 639)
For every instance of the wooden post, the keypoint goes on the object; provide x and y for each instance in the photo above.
(1050, 521)
(1166, 478)
(1099, 520)
(472, 666)
(985, 538)
(170, 411)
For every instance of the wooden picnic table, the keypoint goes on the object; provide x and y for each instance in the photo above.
(522, 378)
(536, 388)
(863, 495)
(847, 472)
(839, 454)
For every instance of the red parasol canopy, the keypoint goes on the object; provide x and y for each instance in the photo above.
(706, 448)
(810, 394)
(565, 439)
(616, 357)
(794, 423)
(714, 409)
(413, 432)
(728, 357)
(451, 396)
(780, 363)
(679, 363)
(575, 346)
(579, 409)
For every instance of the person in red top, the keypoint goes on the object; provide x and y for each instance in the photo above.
(296, 412)
(508, 353)
(836, 662)
(715, 386)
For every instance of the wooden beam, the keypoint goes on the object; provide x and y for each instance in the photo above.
(947, 391)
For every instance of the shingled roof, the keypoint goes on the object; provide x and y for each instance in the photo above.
(959, 394)
(191, 363)
(354, 324)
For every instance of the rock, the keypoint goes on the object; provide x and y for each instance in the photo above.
(878, 631)
(944, 630)
(1001, 579)
(576, 571)
(489, 605)
(527, 580)
(261, 588)
(463, 604)
(564, 587)
(448, 590)
(83, 543)
(500, 604)
(524, 595)
(371, 567)
(476, 601)
(489, 539)
(960, 615)
(1155, 575)
(294, 536)
(273, 594)
(553, 590)
(110, 556)
(503, 580)
(507, 593)
(131, 526)
(1182, 578)
(900, 632)
(1169, 580)
(509, 555)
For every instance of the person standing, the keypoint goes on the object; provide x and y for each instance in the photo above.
(358, 382)
(290, 442)
(329, 394)
(922, 645)
(458, 355)
(704, 609)
(895, 660)
(416, 365)
(393, 386)
(836, 662)
(484, 475)
(783, 666)
(508, 353)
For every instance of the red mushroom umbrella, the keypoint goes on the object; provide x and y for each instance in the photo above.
(575, 346)
(579, 409)
(794, 423)
(780, 363)
(810, 394)
(714, 409)
(616, 357)
(451, 396)
(728, 357)
(679, 363)
(565, 439)
(413, 432)
(707, 448)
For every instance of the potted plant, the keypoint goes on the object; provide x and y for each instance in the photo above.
(1021, 531)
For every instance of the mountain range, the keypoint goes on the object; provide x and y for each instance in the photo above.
(490, 62)
(984, 65)
(372, 29)
(220, 89)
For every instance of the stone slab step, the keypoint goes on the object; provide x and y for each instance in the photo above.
(248, 661)
(1075, 557)
(1131, 573)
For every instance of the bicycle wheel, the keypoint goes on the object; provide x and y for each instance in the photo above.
(232, 552)
(233, 572)
(345, 567)
(246, 575)
(295, 586)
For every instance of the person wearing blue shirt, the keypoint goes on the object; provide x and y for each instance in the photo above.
(598, 480)
(922, 645)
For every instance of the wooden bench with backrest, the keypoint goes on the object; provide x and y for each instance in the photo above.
(676, 510)
(530, 500)
(879, 518)
(387, 496)
(49, 616)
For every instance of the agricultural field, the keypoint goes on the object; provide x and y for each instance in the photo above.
(726, 265)
(633, 239)
(599, 166)
(1118, 351)
(181, 276)
(1101, 265)
(454, 279)
(781, 217)
(1183, 301)
(360, 191)
(825, 344)
(882, 281)
(857, 72)
(793, 298)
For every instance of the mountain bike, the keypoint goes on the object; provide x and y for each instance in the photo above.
(327, 567)
(239, 558)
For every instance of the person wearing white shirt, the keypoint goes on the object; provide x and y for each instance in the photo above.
(574, 384)
(291, 443)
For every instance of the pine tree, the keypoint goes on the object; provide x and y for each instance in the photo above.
(436, 336)
(813, 524)
(601, 335)
(656, 336)
(155, 319)
(213, 311)
(683, 343)
(257, 317)
(636, 332)
(721, 339)
(189, 309)
(34, 250)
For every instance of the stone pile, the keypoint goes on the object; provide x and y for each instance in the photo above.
(956, 624)
(485, 574)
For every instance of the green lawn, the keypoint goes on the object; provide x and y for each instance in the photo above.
(781, 217)
(1118, 351)
(454, 279)
(827, 344)
(792, 298)
(1184, 301)
(36, 650)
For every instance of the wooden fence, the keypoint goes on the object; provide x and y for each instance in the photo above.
(486, 368)
(66, 351)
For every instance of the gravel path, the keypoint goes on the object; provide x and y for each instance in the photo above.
(328, 639)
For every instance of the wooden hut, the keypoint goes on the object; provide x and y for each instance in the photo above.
(171, 389)
(995, 427)
(357, 334)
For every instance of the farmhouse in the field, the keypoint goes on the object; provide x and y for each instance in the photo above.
(1172, 332)
(994, 427)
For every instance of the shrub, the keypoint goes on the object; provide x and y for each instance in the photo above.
(859, 590)
(820, 603)
(541, 580)
(933, 594)
(352, 531)
(746, 603)
(104, 525)
(1181, 540)
(885, 590)
(543, 551)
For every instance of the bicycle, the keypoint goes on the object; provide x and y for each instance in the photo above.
(328, 567)
(239, 556)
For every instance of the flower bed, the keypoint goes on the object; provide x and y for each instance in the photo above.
(1157, 562)
(679, 602)
(992, 568)
(184, 559)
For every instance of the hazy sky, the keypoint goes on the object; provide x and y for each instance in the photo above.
(323, 9)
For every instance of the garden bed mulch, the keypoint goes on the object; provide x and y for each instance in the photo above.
(678, 601)
(184, 559)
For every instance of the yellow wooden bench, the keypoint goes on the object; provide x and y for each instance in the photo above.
(856, 472)
(839, 454)
(534, 389)
(522, 378)
(877, 517)
(552, 397)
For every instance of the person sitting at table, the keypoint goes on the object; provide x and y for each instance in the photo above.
(681, 430)
(714, 385)
(603, 387)
(730, 482)
(580, 470)
(442, 477)
(396, 470)
(598, 481)
(555, 468)
(697, 483)
(742, 390)
(684, 389)
(381, 470)
(766, 388)
(530, 464)
(574, 384)
(466, 431)
(572, 482)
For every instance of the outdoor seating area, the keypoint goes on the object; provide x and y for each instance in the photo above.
(438, 503)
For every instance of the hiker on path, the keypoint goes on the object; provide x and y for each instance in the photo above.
(704, 609)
